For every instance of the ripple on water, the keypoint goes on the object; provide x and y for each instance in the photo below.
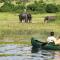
(24, 52)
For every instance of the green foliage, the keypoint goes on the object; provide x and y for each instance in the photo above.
(31, 7)
(7, 7)
(58, 6)
(41, 7)
(11, 29)
(18, 2)
(19, 8)
(37, 6)
(51, 8)
(5, 1)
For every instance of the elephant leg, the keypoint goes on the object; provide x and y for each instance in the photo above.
(45, 21)
(29, 20)
(21, 20)
(26, 21)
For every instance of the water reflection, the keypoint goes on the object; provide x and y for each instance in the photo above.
(34, 50)
(46, 54)
(26, 52)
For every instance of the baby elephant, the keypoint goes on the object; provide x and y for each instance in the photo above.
(49, 18)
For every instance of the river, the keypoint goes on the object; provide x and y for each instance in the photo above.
(26, 52)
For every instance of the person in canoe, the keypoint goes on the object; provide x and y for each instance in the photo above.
(51, 38)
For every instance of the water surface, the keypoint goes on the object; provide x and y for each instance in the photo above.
(26, 52)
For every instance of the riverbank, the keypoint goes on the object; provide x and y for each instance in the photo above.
(11, 30)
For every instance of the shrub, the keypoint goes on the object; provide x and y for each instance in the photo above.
(37, 7)
(58, 6)
(31, 7)
(7, 7)
(41, 7)
(19, 8)
(51, 8)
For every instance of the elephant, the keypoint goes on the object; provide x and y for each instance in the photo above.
(49, 18)
(26, 17)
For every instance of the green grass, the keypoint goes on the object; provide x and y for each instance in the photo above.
(4, 55)
(21, 42)
(13, 31)
(1, 55)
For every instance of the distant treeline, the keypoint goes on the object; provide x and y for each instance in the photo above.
(36, 7)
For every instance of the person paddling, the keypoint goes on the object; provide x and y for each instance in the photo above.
(51, 38)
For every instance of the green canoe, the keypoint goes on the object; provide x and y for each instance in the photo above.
(44, 45)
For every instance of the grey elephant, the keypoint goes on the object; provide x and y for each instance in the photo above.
(49, 18)
(26, 17)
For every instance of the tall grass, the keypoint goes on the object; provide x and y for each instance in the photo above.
(12, 30)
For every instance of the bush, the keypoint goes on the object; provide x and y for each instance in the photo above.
(51, 8)
(58, 6)
(7, 7)
(31, 7)
(37, 7)
(41, 7)
(19, 8)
